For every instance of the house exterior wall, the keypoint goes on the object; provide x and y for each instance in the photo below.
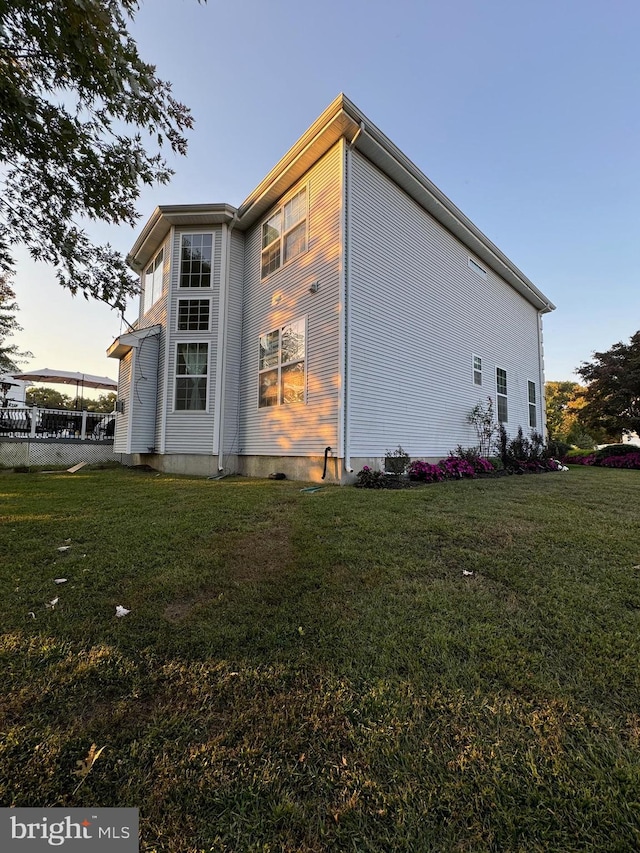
(190, 431)
(157, 315)
(233, 345)
(123, 419)
(142, 403)
(297, 429)
(417, 315)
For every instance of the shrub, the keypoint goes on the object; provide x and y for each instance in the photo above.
(580, 458)
(482, 419)
(455, 468)
(483, 465)
(368, 478)
(616, 450)
(425, 472)
(628, 460)
(396, 462)
(557, 449)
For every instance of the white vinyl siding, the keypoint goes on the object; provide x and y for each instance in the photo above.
(299, 430)
(121, 437)
(413, 387)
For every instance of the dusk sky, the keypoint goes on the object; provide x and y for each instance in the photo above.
(526, 115)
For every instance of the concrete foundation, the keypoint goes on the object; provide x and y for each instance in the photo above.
(307, 469)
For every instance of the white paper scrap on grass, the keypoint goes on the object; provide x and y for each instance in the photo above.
(121, 611)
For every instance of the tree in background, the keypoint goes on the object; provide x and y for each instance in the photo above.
(48, 398)
(75, 101)
(612, 397)
(9, 353)
(105, 403)
(564, 401)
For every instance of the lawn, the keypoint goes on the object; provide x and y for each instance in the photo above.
(446, 668)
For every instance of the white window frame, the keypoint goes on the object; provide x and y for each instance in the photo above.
(177, 376)
(199, 287)
(193, 299)
(280, 365)
(153, 280)
(533, 404)
(279, 241)
(476, 369)
(475, 266)
(504, 396)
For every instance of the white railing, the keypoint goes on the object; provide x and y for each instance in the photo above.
(33, 422)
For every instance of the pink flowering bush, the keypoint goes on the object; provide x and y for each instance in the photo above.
(425, 472)
(630, 460)
(456, 468)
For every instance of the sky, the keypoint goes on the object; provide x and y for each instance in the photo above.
(526, 115)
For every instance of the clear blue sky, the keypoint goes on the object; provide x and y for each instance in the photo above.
(526, 115)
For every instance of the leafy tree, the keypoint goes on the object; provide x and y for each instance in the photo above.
(76, 99)
(9, 353)
(612, 398)
(48, 398)
(105, 403)
(563, 402)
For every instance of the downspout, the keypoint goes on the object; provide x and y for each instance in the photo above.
(346, 413)
(222, 341)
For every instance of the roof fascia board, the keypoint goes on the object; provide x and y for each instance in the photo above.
(181, 215)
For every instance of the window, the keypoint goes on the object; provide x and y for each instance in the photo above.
(473, 265)
(191, 377)
(153, 281)
(501, 389)
(195, 260)
(533, 422)
(477, 370)
(284, 234)
(193, 315)
(281, 376)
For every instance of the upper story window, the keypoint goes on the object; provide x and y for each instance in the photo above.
(501, 394)
(195, 260)
(153, 281)
(193, 315)
(477, 370)
(281, 367)
(284, 234)
(533, 420)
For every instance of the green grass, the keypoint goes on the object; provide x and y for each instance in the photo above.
(313, 671)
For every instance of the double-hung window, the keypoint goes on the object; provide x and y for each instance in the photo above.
(153, 281)
(284, 234)
(533, 420)
(281, 369)
(501, 394)
(191, 376)
(195, 260)
(477, 370)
